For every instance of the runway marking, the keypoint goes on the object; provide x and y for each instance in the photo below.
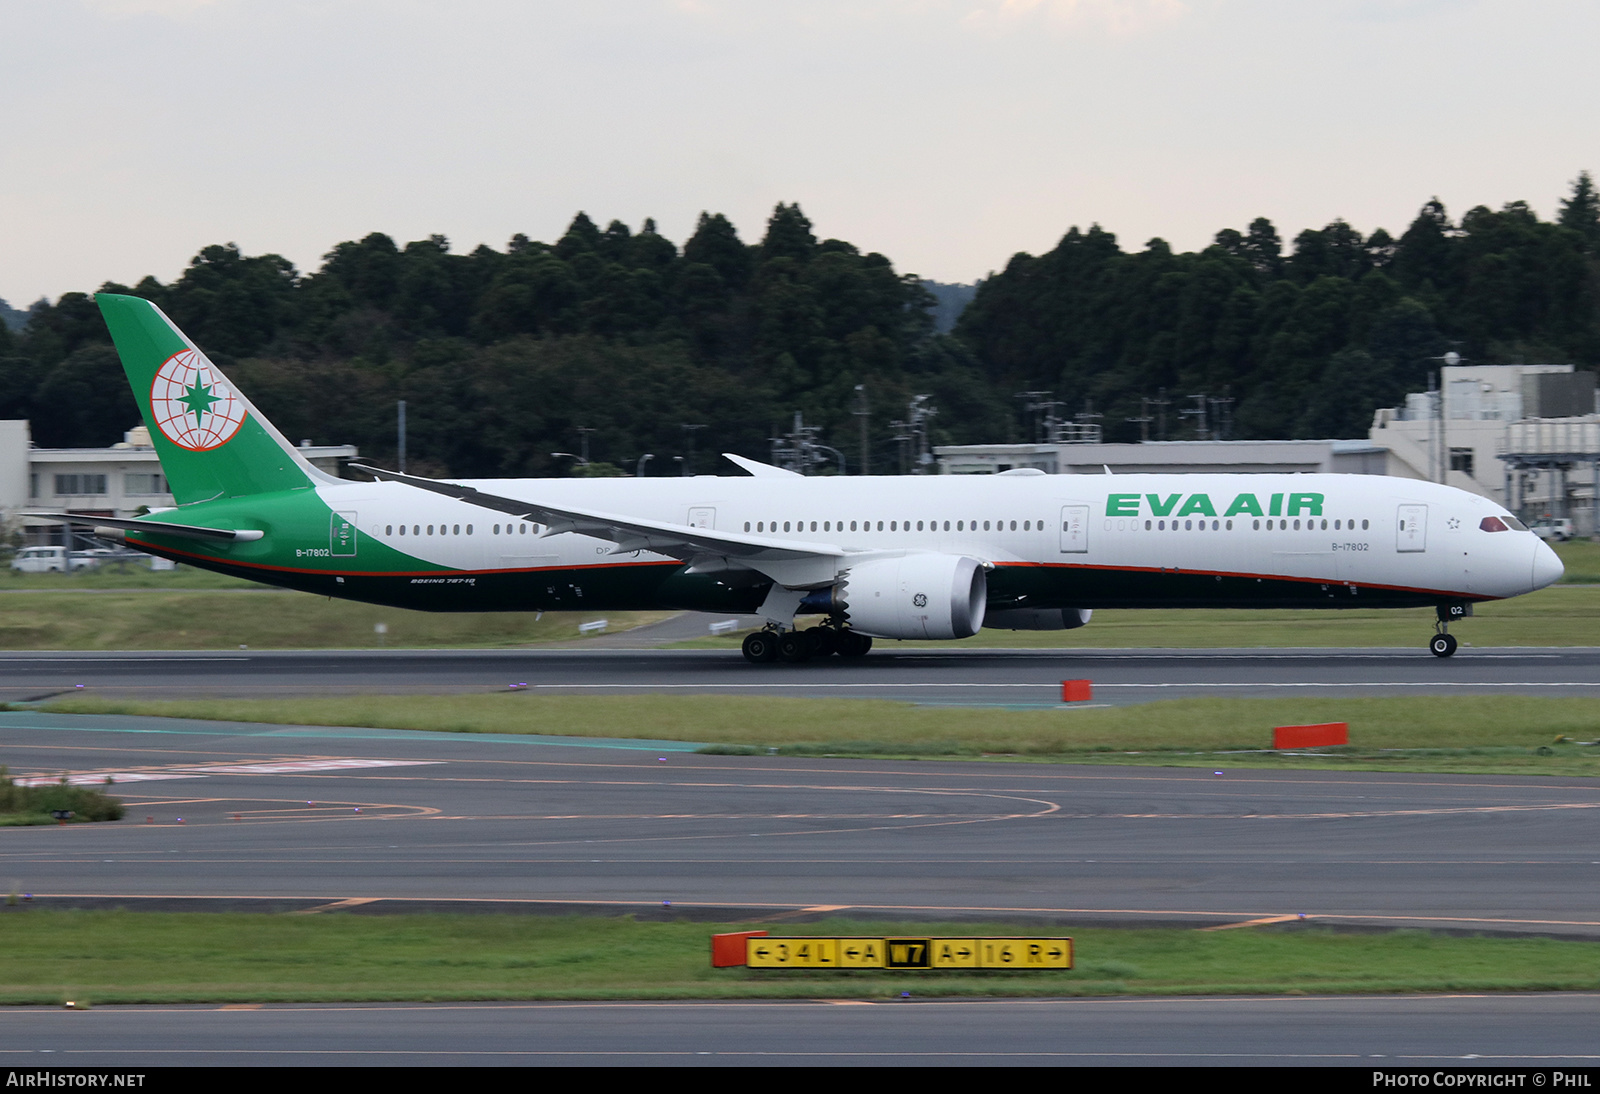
(1262, 922)
(348, 902)
(284, 767)
(1243, 778)
(1407, 1001)
(192, 771)
(806, 1054)
(110, 660)
(889, 909)
(813, 686)
(1365, 684)
(100, 778)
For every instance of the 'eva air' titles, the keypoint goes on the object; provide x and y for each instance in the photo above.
(1200, 505)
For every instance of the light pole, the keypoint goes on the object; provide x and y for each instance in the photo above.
(862, 413)
(690, 431)
(1449, 360)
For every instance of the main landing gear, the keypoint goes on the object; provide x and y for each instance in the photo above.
(1443, 643)
(794, 646)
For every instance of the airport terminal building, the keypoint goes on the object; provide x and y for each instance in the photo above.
(1525, 436)
(120, 481)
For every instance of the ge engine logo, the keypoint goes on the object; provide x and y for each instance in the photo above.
(920, 600)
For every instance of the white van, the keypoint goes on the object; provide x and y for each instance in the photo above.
(46, 560)
(1557, 528)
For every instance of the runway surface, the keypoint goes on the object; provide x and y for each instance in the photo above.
(916, 674)
(1526, 1032)
(306, 816)
(231, 815)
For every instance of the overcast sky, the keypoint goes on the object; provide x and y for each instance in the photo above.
(947, 134)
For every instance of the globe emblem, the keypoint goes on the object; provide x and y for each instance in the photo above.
(920, 600)
(192, 405)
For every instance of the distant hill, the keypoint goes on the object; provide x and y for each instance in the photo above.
(15, 319)
(952, 301)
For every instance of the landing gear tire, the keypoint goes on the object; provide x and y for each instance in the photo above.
(851, 644)
(794, 646)
(1442, 645)
(760, 647)
(824, 641)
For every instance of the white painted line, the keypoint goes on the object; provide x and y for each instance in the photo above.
(108, 660)
(813, 685)
(809, 684)
(274, 767)
(1373, 684)
(289, 767)
(99, 778)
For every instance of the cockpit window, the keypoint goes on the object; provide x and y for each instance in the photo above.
(1492, 524)
(1514, 524)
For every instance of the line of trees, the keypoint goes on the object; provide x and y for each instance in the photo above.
(505, 356)
(1308, 343)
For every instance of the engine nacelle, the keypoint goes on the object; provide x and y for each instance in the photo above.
(916, 596)
(1038, 619)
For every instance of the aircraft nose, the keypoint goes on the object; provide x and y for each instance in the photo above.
(1547, 568)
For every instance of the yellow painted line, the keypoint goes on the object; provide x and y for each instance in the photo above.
(349, 902)
(1256, 922)
(813, 910)
(240, 1006)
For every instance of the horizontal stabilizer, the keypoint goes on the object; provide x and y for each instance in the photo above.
(156, 527)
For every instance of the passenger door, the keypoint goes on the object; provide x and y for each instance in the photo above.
(1074, 529)
(1411, 528)
(342, 535)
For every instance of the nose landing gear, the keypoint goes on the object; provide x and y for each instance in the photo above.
(1443, 643)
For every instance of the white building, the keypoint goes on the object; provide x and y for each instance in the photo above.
(1194, 457)
(1526, 436)
(121, 481)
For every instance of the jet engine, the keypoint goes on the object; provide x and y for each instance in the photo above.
(1038, 619)
(915, 596)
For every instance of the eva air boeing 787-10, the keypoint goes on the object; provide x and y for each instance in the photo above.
(932, 557)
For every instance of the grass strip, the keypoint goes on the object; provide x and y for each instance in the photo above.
(213, 619)
(1557, 616)
(139, 957)
(192, 609)
(1499, 733)
(27, 805)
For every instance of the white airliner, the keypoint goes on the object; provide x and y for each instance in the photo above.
(919, 557)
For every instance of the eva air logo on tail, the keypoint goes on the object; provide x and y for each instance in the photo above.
(192, 405)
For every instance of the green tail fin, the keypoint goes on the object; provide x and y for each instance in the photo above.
(212, 442)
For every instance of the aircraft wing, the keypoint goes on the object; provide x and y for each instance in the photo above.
(159, 527)
(791, 564)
